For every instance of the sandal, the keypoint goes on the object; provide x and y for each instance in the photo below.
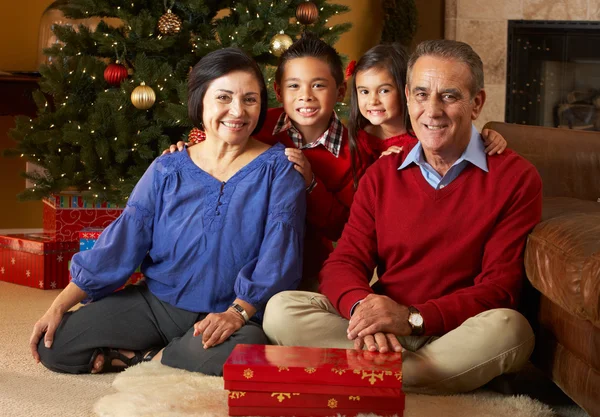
(110, 354)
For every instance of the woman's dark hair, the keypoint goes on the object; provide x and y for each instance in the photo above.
(309, 45)
(391, 57)
(215, 65)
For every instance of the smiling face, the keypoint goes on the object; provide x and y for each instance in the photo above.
(231, 107)
(379, 98)
(440, 104)
(308, 93)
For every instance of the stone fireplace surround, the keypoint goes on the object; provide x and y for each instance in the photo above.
(483, 24)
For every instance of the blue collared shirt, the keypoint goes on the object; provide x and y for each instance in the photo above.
(475, 154)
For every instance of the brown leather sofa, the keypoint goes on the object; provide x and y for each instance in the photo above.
(562, 257)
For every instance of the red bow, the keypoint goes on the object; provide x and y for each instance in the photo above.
(350, 69)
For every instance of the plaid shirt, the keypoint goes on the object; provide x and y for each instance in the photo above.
(331, 139)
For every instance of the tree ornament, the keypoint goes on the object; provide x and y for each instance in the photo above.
(307, 13)
(115, 73)
(196, 135)
(280, 43)
(169, 23)
(143, 96)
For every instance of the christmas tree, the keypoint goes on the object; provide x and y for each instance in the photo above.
(100, 122)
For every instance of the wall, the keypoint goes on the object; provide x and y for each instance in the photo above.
(484, 25)
(431, 15)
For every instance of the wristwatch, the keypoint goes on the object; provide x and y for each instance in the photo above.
(240, 310)
(416, 321)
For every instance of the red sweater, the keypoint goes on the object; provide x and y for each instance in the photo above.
(328, 205)
(377, 146)
(452, 253)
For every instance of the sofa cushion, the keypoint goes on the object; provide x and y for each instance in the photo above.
(562, 257)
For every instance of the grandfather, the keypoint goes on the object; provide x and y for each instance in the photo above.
(445, 226)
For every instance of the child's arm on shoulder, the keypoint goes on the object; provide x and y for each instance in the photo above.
(494, 142)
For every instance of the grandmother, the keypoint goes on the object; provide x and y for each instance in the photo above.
(218, 230)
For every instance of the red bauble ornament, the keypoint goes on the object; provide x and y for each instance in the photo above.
(115, 73)
(196, 135)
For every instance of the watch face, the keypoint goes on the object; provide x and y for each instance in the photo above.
(416, 320)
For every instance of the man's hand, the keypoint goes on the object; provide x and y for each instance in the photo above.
(494, 142)
(301, 164)
(379, 342)
(179, 147)
(217, 327)
(364, 358)
(47, 324)
(378, 314)
(391, 150)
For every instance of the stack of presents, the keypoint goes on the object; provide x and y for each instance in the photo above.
(41, 260)
(301, 381)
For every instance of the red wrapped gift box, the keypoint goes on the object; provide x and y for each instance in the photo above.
(307, 412)
(65, 215)
(277, 380)
(36, 260)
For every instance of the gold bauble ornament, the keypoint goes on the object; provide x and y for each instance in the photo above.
(307, 13)
(143, 97)
(280, 43)
(169, 23)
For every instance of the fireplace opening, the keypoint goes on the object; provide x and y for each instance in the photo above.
(553, 74)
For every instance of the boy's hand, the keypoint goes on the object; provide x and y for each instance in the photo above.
(301, 164)
(494, 142)
(391, 150)
(179, 147)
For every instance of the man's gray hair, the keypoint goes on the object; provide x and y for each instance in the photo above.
(451, 50)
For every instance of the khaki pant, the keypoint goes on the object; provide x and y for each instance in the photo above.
(485, 346)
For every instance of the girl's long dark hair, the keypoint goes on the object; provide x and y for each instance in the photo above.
(392, 57)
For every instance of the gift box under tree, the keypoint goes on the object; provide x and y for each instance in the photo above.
(300, 381)
(87, 239)
(36, 260)
(66, 214)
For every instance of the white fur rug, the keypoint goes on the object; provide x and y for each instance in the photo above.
(154, 390)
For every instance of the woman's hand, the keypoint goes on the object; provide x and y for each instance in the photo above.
(179, 147)
(217, 327)
(391, 150)
(301, 164)
(494, 142)
(47, 324)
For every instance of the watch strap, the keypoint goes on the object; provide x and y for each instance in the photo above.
(242, 312)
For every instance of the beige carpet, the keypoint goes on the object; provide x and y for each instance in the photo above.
(153, 390)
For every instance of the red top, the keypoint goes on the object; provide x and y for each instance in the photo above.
(377, 146)
(452, 253)
(328, 205)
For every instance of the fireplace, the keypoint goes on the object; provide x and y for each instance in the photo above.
(553, 74)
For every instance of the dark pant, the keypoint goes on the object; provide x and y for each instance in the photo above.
(134, 319)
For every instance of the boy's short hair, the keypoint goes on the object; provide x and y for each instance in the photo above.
(215, 65)
(309, 45)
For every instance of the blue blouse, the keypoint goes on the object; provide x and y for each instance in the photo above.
(203, 242)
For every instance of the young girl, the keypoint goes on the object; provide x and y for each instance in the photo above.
(379, 122)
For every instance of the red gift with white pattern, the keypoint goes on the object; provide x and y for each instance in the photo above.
(289, 380)
(66, 214)
(36, 260)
